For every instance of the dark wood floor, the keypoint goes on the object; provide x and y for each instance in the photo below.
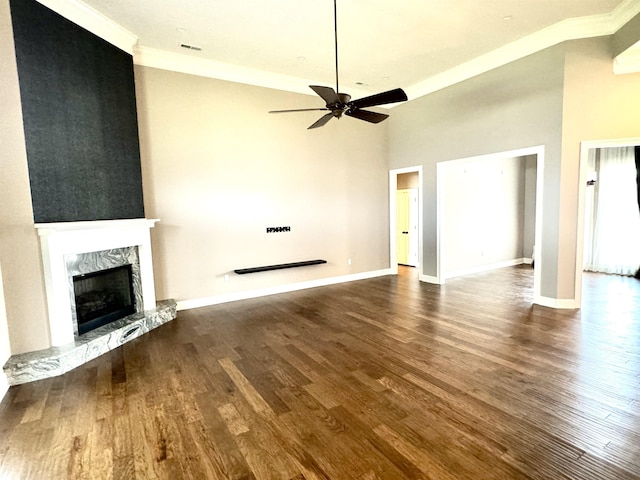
(382, 379)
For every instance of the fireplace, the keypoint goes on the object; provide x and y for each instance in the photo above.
(81, 248)
(104, 286)
(103, 297)
(93, 271)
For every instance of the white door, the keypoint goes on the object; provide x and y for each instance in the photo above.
(407, 226)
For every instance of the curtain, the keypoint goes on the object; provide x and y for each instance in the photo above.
(612, 243)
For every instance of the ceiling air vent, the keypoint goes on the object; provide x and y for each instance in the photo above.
(190, 47)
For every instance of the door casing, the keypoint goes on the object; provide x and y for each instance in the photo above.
(393, 188)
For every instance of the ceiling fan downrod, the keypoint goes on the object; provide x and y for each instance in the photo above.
(335, 36)
(340, 103)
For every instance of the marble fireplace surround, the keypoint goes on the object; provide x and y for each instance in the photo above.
(87, 263)
(61, 243)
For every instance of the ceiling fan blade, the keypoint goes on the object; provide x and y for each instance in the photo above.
(328, 94)
(367, 116)
(391, 96)
(324, 119)
(299, 110)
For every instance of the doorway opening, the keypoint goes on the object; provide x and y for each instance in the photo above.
(489, 213)
(405, 218)
(587, 148)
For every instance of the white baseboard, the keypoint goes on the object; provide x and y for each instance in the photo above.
(292, 287)
(484, 268)
(557, 303)
(235, 296)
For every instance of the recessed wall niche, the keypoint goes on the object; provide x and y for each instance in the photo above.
(80, 124)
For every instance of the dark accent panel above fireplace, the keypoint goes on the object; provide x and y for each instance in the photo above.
(79, 110)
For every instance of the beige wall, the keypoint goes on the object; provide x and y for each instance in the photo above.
(19, 248)
(218, 170)
(484, 221)
(5, 347)
(530, 184)
(516, 106)
(598, 105)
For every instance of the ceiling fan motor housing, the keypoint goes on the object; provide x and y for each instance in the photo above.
(344, 97)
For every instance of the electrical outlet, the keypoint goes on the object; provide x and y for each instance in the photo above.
(349, 261)
(226, 278)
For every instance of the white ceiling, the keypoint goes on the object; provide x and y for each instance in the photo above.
(382, 44)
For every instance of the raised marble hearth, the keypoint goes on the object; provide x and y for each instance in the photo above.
(54, 361)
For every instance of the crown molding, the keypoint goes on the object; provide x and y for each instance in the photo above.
(183, 63)
(570, 29)
(93, 21)
(623, 13)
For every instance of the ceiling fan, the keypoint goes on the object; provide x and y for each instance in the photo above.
(341, 103)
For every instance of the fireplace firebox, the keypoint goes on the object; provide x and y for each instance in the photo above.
(103, 297)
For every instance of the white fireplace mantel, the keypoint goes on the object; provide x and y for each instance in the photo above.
(57, 240)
